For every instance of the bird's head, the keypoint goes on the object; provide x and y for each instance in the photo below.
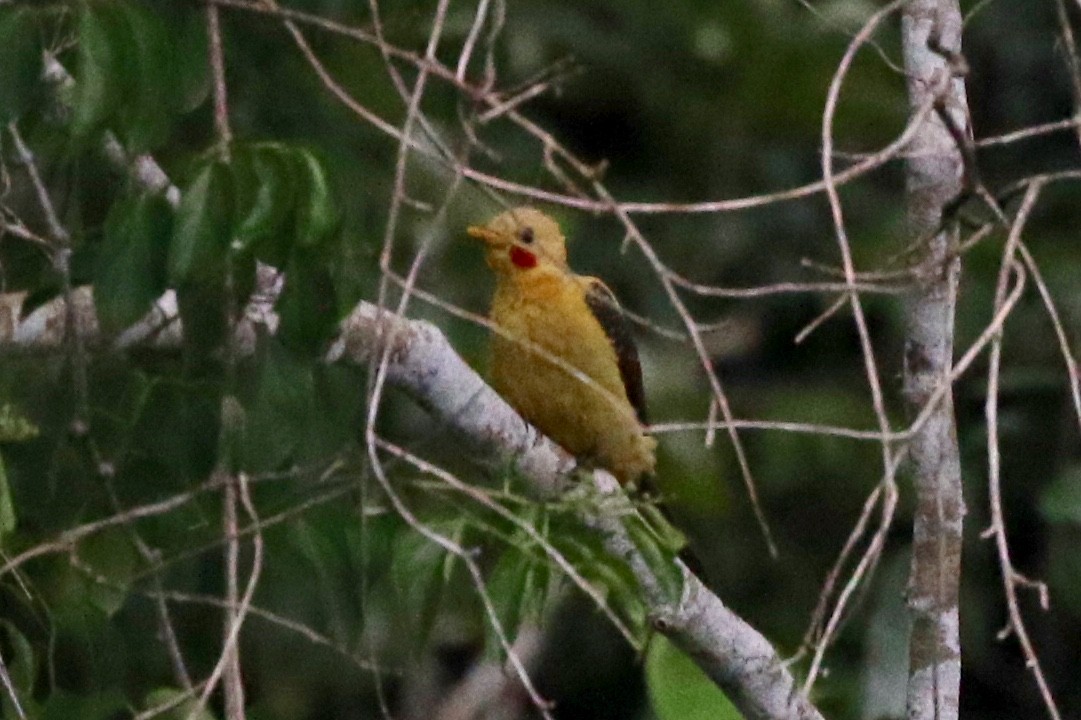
(522, 240)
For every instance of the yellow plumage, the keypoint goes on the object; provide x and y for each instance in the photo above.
(562, 356)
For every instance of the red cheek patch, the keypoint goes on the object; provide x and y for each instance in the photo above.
(522, 258)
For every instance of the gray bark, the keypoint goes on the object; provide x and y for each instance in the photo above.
(932, 43)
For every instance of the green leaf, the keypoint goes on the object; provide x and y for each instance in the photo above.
(8, 521)
(660, 558)
(203, 228)
(104, 705)
(20, 661)
(204, 300)
(314, 546)
(668, 536)
(420, 570)
(193, 72)
(202, 307)
(181, 705)
(146, 119)
(103, 69)
(318, 216)
(115, 563)
(131, 268)
(518, 587)
(15, 426)
(308, 306)
(585, 550)
(265, 220)
(679, 690)
(20, 62)
(1061, 501)
(280, 410)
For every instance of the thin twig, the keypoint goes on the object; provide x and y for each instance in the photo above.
(482, 498)
(60, 242)
(275, 620)
(228, 666)
(69, 538)
(821, 318)
(471, 40)
(1072, 60)
(1073, 374)
(841, 233)
(9, 688)
(217, 66)
(994, 471)
(228, 662)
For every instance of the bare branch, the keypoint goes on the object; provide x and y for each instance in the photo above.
(1011, 579)
(421, 362)
(9, 689)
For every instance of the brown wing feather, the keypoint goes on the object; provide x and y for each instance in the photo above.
(602, 303)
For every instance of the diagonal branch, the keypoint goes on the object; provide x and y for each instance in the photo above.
(423, 364)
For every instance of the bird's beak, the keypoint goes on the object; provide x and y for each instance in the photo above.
(480, 232)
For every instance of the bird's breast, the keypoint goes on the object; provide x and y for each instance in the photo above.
(553, 362)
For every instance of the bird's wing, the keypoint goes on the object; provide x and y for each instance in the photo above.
(602, 303)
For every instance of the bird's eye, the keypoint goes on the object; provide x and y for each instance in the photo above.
(526, 235)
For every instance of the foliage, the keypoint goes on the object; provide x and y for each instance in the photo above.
(679, 690)
(672, 101)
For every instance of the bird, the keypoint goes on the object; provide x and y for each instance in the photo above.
(562, 353)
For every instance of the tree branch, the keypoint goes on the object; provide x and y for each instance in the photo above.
(423, 364)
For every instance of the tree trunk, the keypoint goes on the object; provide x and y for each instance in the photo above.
(932, 44)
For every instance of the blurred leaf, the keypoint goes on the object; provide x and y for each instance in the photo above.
(518, 587)
(679, 690)
(329, 575)
(8, 521)
(318, 216)
(104, 71)
(585, 550)
(280, 409)
(105, 705)
(339, 408)
(660, 558)
(202, 307)
(131, 270)
(203, 227)
(314, 547)
(21, 664)
(113, 559)
(419, 572)
(375, 541)
(145, 120)
(181, 705)
(50, 285)
(1063, 572)
(308, 306)
(1061, 500)
(20, 62)
(264, 220)
(193, 72)
(667, 535)
(200, 259)
(15, 426)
